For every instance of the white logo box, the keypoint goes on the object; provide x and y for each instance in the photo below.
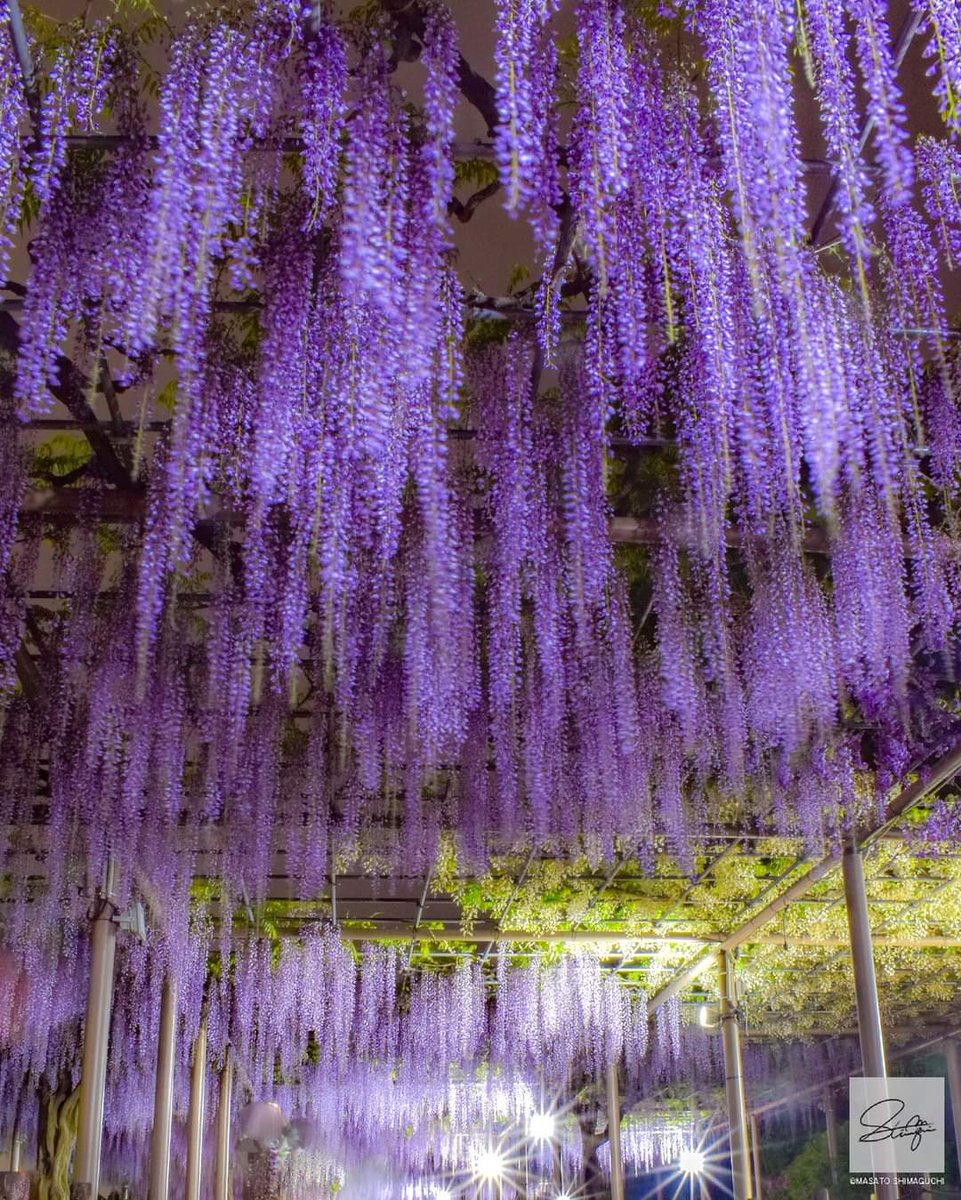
(897, 1126)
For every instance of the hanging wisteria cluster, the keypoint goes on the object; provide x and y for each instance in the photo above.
(368, 1063)
(328, 570)
(365, 575)
(458, 605)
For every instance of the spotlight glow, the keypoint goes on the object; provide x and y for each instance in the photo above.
(541, 1126)
(443, 1194)
(489, 1165)
(691, 1162)
(707, 1016)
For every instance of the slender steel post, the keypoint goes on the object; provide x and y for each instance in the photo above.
(862, 955)
(756, 1157)
(222, 1177)
(870, 1033)
(96, 1037)
(16, 1138)
(163, 1105)
(952, 1057)
(734, 1080)
(831, 1127)
(22, 50)
(196, 1114)
(614, 1133)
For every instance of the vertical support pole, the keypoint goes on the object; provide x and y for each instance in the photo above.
(22, 50)
(952, 1058)
(163, 1105)
(870, 1033)
(196, 1114)
(222, 1177)
(614, 1133)
(15, 1153)
(756, 1158)
(96, 1036)
(862, 955)
(734, 1080)
(831, 1127)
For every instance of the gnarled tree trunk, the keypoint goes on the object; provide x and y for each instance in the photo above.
(594, 1186)
(57, 1135)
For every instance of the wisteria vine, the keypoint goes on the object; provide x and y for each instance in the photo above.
(327, 569)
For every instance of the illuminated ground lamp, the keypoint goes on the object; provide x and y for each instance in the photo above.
(490, 1167)
(541, 1126)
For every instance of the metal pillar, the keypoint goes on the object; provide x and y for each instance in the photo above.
(756, 1157)
(865, 981)
(222, 1177)
(831, 1127)
(96, 1036)
(614, 1133)
(196, 1114)
(163, 1105)
(862, 955)
(16, 1138)
(952, 1057)
(734, 1081)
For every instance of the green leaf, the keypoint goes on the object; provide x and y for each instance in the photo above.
(168, 396)
(520, 273)
(127, 8)
(60, 455)
(487, 331)
(475, 172)
(29, 208)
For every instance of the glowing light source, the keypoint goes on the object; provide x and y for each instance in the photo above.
(691, 1162)
(540, 1126)
(443, 1194)
(708, 1016)
(489, 1165)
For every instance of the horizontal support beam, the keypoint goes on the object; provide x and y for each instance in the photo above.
(114, 505)
(934, 942)
(481, 935)
(293, 145)
(648, 531)
(461, 150)
(607, 937)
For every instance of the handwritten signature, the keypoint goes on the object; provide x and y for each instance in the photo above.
(884, 1125)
